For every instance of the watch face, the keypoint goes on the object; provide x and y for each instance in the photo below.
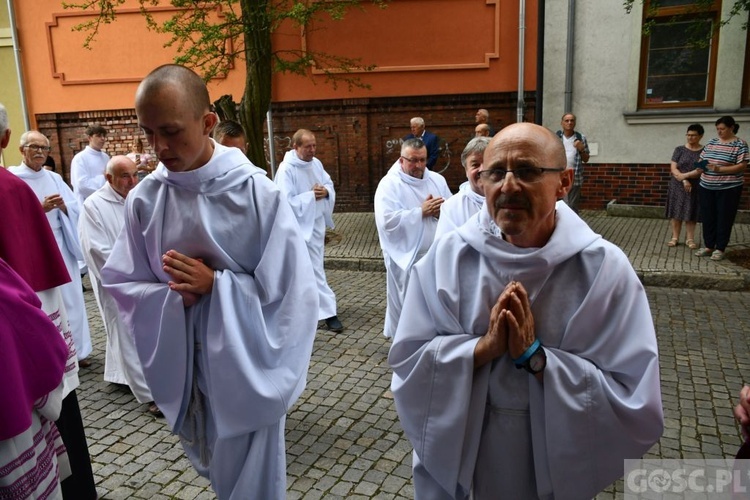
(537, 361)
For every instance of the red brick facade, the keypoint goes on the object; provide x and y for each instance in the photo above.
(359, 139)
(630, 184)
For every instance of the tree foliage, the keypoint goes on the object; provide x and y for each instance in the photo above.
(699, 35)
(210, 36)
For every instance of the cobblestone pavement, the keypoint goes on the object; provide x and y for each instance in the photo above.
(343, 436)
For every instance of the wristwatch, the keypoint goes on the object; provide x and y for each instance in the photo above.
(536, 362)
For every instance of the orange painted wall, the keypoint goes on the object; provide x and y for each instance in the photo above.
(421, 47)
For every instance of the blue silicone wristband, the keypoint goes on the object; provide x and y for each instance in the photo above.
(529, 352)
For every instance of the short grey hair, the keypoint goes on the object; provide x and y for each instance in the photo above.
(413, 143)
(3, 120)
(25, 136)
(418, 121)
(476, 145)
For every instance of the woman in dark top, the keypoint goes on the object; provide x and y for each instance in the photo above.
(682, 190)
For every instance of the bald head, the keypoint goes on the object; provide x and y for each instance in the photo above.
(175, 78)
(174, 114)
(482, 130)
(533, 137)
(122, 174)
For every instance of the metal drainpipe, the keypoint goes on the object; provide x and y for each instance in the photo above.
(521, 50)
(271, 145)
(569, 57)
(538, 105)
(19, 69)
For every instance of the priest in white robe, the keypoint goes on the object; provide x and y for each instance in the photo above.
(470, 197)
(408, 204)
(62, 211)
(214, 282)
(309, 190)
(87, 167)
(100, 224)
(527, 365)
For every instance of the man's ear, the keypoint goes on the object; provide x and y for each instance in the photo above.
(5, 139)
(209, 122)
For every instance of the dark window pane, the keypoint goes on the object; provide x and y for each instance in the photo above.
(671, 3)
(664, 89)
(677, 69)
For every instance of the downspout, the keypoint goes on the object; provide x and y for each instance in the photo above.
(538, 104)
(569, 57)
(271, 145)
(19, 69)
(521, 50)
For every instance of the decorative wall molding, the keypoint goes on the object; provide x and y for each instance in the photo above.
(482, 62)
(56, 47)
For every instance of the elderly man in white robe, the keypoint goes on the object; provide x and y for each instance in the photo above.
(470, 197)
(100, 224)
(527, 366)
(62, 211)
(214, 282)
(407, 207)
(309, 190)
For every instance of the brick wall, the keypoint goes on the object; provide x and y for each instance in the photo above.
(66, 133)
(358, 139)
(631, 184)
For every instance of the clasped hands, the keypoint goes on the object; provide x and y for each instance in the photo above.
(431, 206)
(320, 191)
(191, 278)
(511, 327)
(53, 201)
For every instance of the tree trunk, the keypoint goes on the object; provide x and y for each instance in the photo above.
(257, 97)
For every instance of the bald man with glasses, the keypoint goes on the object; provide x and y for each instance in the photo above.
(407, 208)
(527, 363)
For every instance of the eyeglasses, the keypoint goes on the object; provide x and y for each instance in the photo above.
(37, 147)
(526, 175)
(412, 161)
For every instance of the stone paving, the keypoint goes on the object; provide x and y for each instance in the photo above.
(343, 435)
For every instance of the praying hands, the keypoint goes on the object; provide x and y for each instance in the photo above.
(511, 327)
(191, 277)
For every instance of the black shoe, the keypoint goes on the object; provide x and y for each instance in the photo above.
(334, 324)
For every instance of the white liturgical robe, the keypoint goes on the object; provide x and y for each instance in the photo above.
(296, 178)
(226, 370)
(99, 225)
(87, 172)
(458, 209)
(497, 431)
(65, 228)
(405, 234)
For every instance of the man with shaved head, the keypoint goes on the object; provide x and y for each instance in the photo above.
(526, 360)
(214, 282)
(99, 226)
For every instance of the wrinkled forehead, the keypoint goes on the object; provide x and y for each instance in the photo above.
(37, 138)
(524, 147)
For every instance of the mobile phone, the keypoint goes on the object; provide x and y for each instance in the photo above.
(703, 164)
